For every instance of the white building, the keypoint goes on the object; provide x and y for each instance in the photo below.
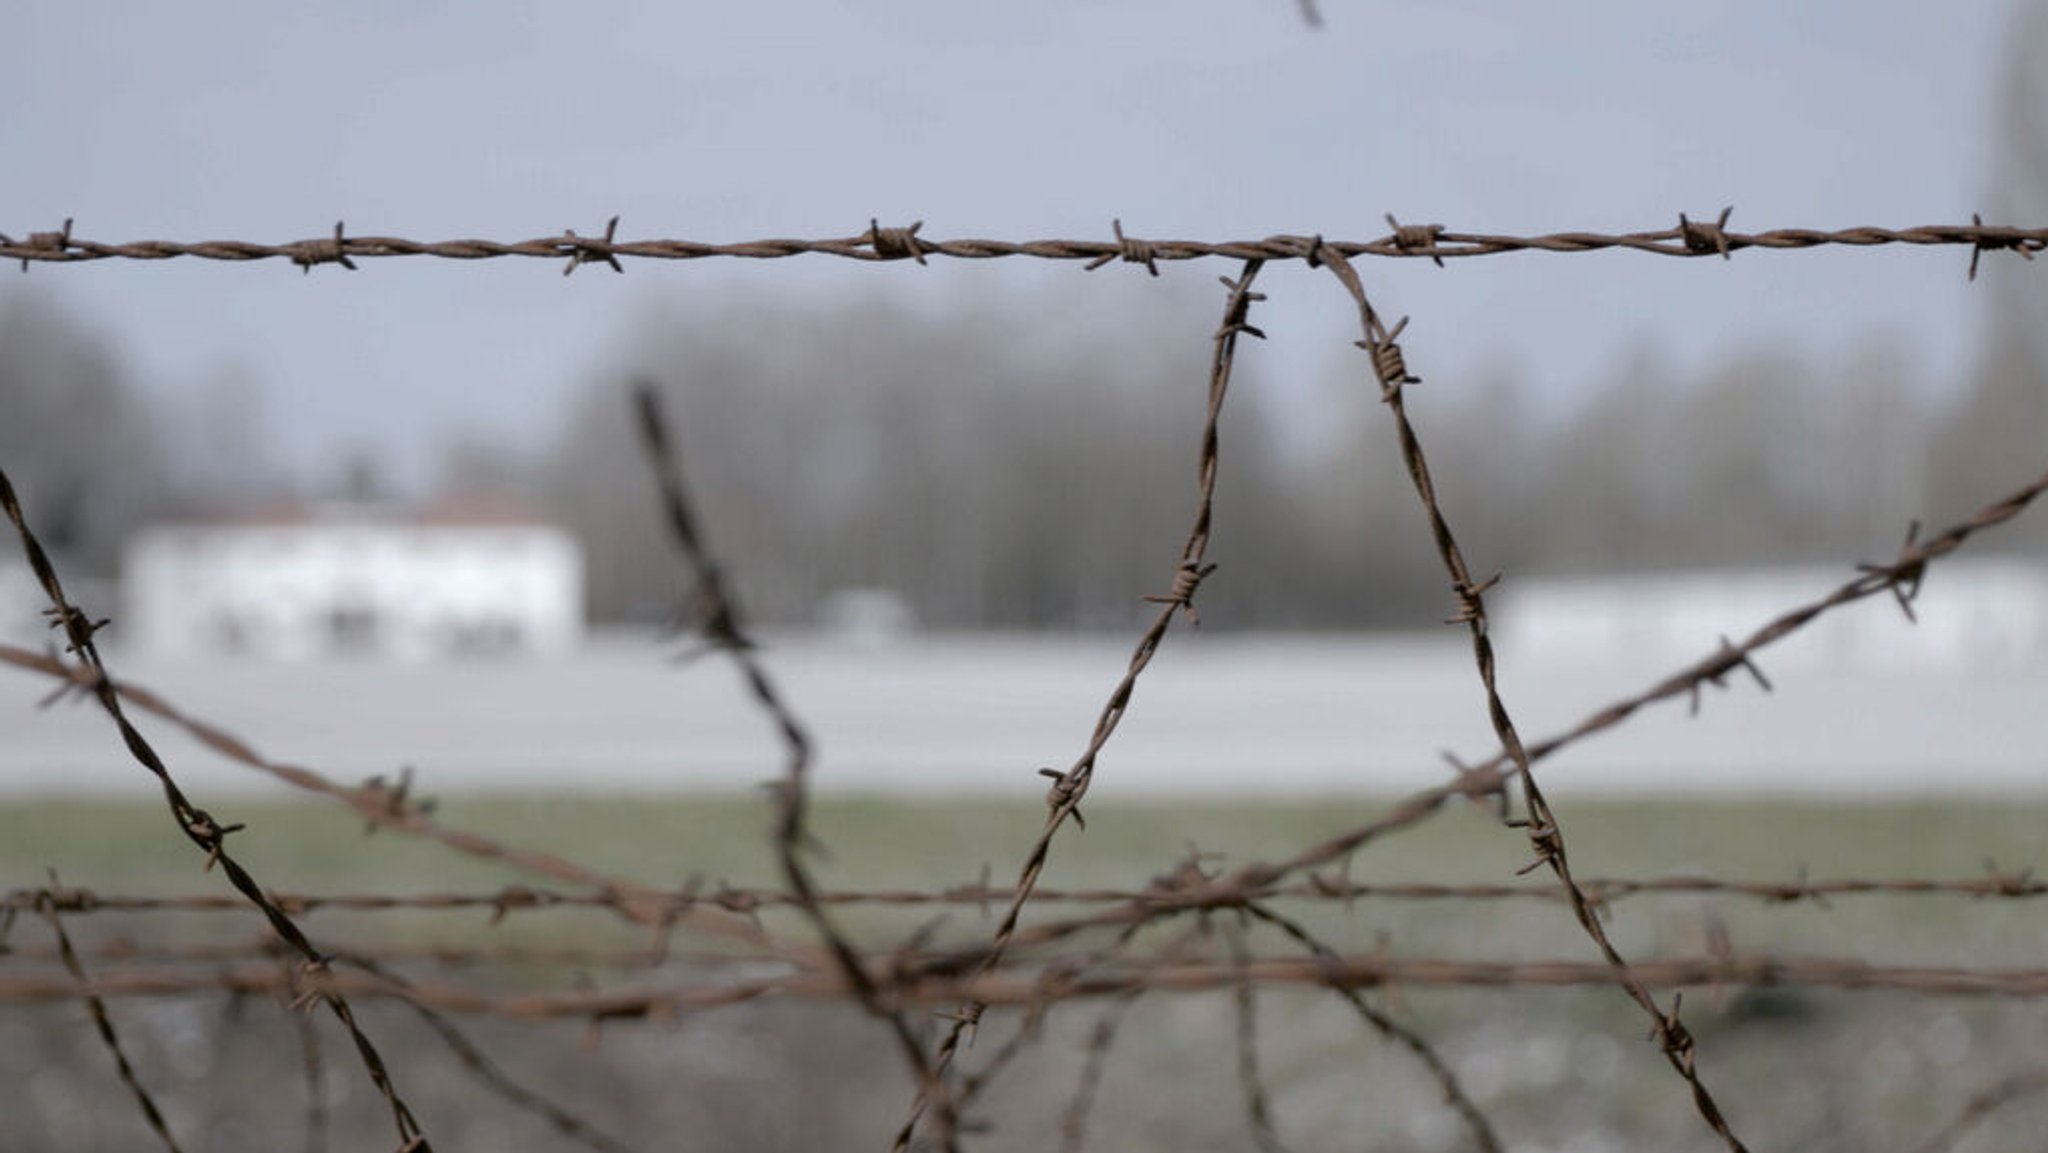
(1972, 613)
(347, 580)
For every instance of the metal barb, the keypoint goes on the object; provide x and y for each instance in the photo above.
(582, 250)
(307, 253)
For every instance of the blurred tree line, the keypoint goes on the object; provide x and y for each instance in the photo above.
(997, 489)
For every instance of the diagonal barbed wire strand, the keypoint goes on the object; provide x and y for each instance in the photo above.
(1546, 837)
(196, 824)
(723, 624)
(388, 806)
(1063, 800)
(103, 1024)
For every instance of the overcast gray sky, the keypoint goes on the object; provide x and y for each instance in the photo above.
(1205, 119)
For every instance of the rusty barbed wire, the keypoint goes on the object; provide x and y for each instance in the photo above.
(387, 805)
(1015, 971)
(1258, 1104)
(1995, 884)
(1094, 1057)
(1439, 1070)
(1546, 836)
(1102, 1036)
(486, 1072)
(718, 615)
(1435, 242)
(1023, 988)
(1063, 800)
(198, 826)
(1488, 779)
(103, 1024)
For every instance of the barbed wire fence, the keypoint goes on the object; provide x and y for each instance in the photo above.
(931, 998)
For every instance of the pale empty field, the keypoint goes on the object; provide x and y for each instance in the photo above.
(977, 715)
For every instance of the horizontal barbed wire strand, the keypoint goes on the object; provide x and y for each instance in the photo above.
(1995, 884)
(878, 243)
(1006, 987)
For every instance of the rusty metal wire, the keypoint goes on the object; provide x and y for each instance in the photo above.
(104, 1026)
(1029, 987)
(1435, 242)
(1546, 837)
(1022, 970)
(1258, 1103)
(314, 1067)
(1453, 1089)
(198, 825)
(486, 1072)
(718, 615)
(1063, 800)
(1980, 1107)
(501, 903)
(390, 806)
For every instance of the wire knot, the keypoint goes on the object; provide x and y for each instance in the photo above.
(2020, 884)
(1546, 838)
(1416, 239)
(1067, 790)
(1471, 602)
(1904, 575)
(56, 243)
(305, 976)
(334, 250)
(512, 897)
(59, 899)
(739, 901)
(582, 250)
(1238, 317)
(1673, 1037)
(393, 801)
(2024, 245)
(210, 834)
(1726, 661)
(1188, 874)
(1129, 248)
(967, 1017)
(1702, 238)
(1388, 363)
(895, 243)
(78, 628)
(1186, 579)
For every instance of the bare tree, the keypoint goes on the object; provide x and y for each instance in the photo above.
(74, 434)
